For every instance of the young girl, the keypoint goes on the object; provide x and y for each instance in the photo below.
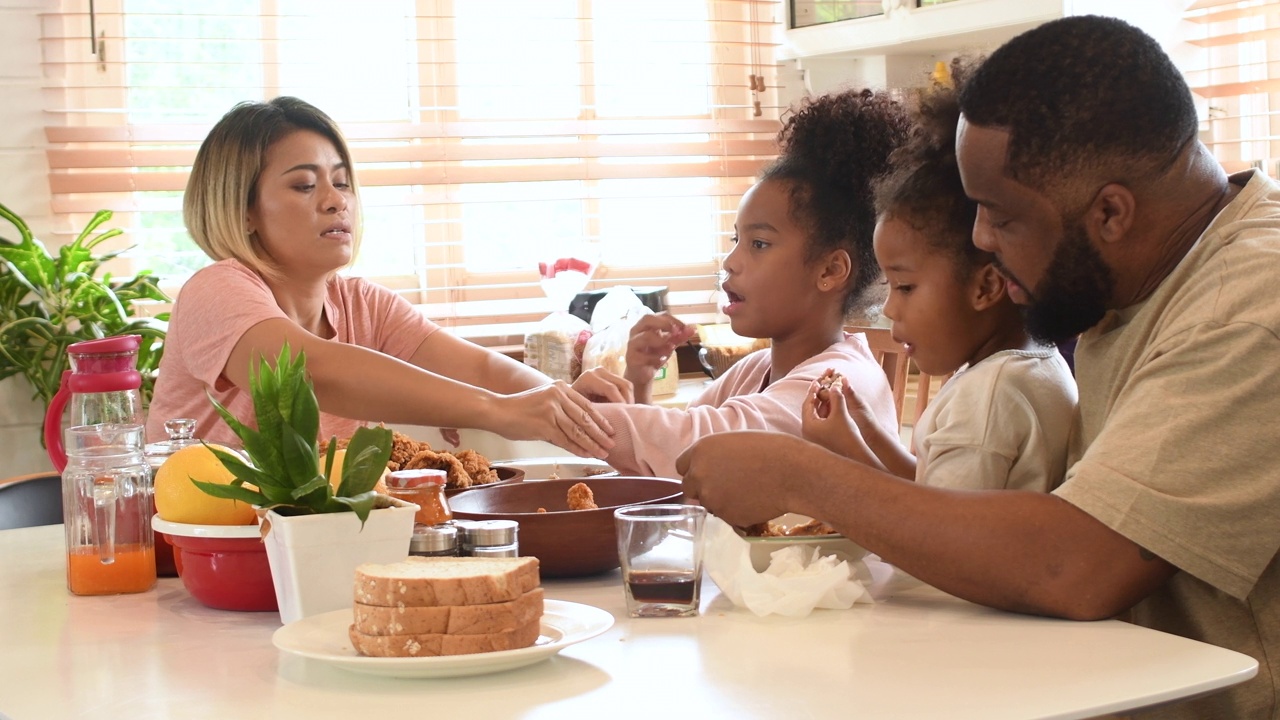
(272, 200)
(1003, 419)
(802, 262)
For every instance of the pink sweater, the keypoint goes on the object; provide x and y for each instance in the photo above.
(221, 302)
(650, 438)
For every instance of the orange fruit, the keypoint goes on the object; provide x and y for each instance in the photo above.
(179, 500)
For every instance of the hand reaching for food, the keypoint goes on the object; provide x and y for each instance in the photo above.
(451, 436)
(557, 414)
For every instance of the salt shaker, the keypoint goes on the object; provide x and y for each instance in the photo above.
(490, 538)
(434, 541)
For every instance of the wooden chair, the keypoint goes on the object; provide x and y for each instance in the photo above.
(31, 500)
(892, 356)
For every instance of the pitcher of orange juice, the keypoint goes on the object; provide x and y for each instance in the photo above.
(106, 505)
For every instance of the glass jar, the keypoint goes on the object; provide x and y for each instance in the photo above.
(106, 503)
(424, 488)
(181, 433)
(434, 541)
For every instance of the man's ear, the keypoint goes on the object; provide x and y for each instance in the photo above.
(836, 270)
(986, 288)
(1111, 214)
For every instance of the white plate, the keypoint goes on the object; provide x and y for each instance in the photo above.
(546, 468)
(324, 637)
(205, 531)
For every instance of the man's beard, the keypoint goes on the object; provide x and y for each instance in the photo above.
(1073, 295)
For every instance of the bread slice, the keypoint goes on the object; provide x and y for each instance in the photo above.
(437, 644)
(451, 619)
(430, 582)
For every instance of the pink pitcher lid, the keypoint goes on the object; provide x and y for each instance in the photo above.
(116, 344)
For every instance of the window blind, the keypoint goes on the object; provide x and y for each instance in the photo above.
(1237, 71)
(488, 136)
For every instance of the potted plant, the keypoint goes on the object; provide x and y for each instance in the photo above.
(316, 533)
(48, 302)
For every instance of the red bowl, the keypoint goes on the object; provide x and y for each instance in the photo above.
(227, 573)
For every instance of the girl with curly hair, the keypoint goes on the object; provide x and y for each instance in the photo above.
(1003, 418)
(802, 263)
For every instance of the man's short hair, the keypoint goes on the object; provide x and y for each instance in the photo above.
(1085, 98)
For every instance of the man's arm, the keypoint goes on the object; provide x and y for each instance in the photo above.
(1013, 550)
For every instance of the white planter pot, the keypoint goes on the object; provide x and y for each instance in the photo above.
(314, 557)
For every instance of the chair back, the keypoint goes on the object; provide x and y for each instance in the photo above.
(897, 365)
(31, 500)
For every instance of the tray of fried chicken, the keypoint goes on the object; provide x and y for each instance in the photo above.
(464, 468)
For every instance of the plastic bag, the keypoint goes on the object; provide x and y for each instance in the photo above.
(611, 324)
(556, 344)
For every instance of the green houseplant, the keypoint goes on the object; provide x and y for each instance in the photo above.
(315, 535)
(284, 469)
(48, 302)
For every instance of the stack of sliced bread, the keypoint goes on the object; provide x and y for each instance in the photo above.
(426, 606)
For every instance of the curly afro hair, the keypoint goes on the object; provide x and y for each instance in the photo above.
(923, 189)
(832, 148)
(1085, 98)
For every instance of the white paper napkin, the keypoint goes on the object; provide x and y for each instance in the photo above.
(796, 581)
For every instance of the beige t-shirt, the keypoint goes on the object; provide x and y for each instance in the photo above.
(1179, 398)
(221, 302)
(1000, 424)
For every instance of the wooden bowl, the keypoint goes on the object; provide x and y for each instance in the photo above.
(567, 543)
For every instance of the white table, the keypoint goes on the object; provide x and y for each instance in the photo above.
(917, 653)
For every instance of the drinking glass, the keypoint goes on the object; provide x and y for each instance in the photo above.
(660, 548)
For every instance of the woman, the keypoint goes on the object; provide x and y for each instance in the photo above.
(272, 199)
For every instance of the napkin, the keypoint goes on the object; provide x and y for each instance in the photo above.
(796, 581)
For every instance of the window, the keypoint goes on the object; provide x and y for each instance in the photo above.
(805, 13)
(487, 135)
(1235, 73)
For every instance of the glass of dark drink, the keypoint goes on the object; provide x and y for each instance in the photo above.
(660, 547)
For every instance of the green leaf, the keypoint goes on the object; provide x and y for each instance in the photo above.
(330, 451)
(316, 483)
(361, 504)
(367, 456)
(231, 492)
(301, 457)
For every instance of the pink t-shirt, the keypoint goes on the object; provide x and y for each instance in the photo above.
(649, 438)
(221, 302)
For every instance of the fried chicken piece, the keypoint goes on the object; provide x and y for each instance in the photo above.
(430, 459)
(757, 530)
(403, 448)
(477, 467)
(813, 527)
(581, 498)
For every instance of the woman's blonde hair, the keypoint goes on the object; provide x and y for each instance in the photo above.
(223, 185)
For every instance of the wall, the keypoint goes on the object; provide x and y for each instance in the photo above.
(23, 190)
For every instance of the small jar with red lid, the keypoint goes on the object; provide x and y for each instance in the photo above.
(424, 488)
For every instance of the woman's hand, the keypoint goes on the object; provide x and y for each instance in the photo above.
(834, 417)
(653, 339)
(557, 414)
(600, 385)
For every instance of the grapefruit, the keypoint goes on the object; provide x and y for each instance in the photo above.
(179, 500)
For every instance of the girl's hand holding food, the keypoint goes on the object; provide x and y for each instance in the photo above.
(830, 418)
(653, 339)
